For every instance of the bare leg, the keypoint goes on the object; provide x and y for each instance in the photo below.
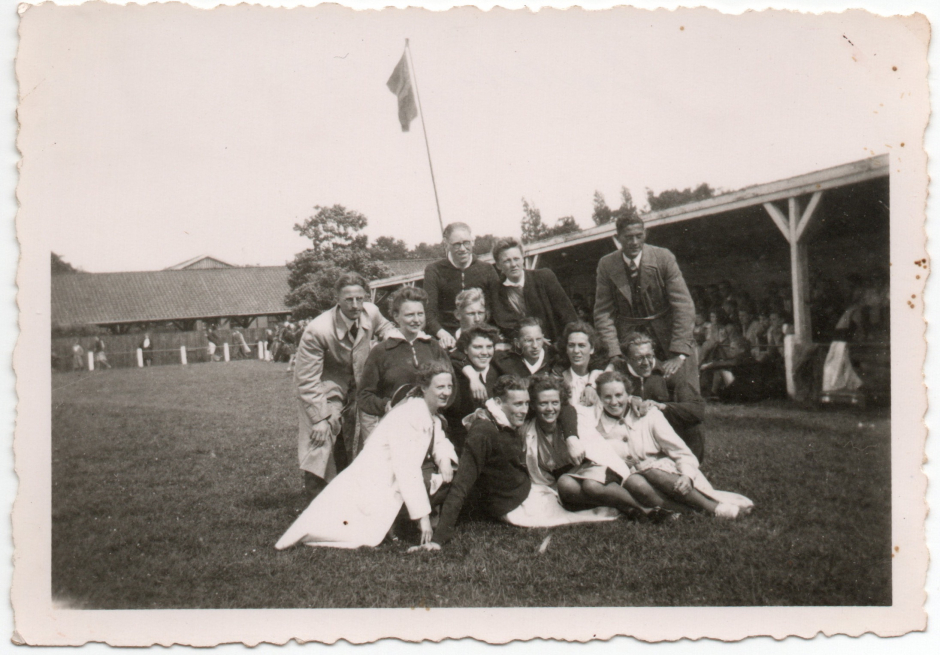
(612, 495)
(571, 494)
(666, 483)
(647, 494)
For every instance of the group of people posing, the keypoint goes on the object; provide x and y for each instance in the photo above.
(541, 420)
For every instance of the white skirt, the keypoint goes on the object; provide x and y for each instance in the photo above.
(542, 509)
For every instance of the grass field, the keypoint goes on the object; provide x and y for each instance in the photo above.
(172, 484)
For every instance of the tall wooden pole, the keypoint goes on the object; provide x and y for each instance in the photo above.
(414, 75)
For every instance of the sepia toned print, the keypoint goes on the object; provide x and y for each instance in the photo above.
(352, 313)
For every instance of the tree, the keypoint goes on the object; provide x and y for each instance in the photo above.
(388, 248)
(483, 243)
(337, 247)
(534, 229)
(675, 197)
(334, 227)
(602, 213)
(429, 250)
(61, 267)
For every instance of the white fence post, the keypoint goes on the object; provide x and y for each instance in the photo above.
(140, 358)
(789, 352)
(225, 355)
(91, 361)
(183, 355)
(261, 349)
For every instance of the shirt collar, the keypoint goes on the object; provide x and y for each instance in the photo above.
(454, 264)
(396, 335)
(538, 363)
(343, 323)
(509, 283)
(635, 260)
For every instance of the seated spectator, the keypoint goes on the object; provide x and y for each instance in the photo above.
(730, 374)
(396, 361)
(528, 293)
(678, 400)
(475, 382)
(532, 354)
(663, 472)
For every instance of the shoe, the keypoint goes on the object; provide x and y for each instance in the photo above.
(727, 511)
(633, 514)
(659, 515)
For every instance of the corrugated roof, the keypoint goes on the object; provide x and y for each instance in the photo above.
(406, 266)
(105, 298)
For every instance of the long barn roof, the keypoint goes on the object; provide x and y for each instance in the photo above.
(137, 297)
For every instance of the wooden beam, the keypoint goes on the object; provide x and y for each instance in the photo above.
(799, 275)
(532, 261)
(779, 219)
(808, 214)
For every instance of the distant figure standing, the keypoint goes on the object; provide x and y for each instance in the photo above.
(640, 287)
(146, 346)
(78, 356)
(447, 277)
(214, 341)
(101, 359)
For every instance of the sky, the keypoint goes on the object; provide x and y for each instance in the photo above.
(154, 134)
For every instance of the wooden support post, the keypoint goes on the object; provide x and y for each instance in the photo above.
(183, 355)
(532, 261)
(91, 361)
(140, 358)
(225, 353)
(799, 276)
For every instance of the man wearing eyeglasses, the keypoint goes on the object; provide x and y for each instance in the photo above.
(447, 277)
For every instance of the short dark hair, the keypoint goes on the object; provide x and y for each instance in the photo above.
(407, 294)
(350, 279)
(625, 220)
(428, 371)
(574, 327)
(507, 383)
(635, 338)
(612, 376)
(504, 244)
(548, 382)
(467, 336)
(528, 321)
(455, 226)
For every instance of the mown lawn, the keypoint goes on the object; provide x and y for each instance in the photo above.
(172, 484)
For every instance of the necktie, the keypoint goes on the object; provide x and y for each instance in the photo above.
(354, 331)
(516, 300)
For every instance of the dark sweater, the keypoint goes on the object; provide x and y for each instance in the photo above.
(512, 363)
(391, 364)
(493, 459)
(544, 299)
(443, 281)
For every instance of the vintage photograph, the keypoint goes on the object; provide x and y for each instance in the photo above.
(389, 310)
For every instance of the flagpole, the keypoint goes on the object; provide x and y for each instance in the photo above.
(414, 75)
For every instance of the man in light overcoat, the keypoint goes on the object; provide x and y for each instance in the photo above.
(327, 370)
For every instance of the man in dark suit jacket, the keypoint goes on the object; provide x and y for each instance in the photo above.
(640, 287)
(681, 404)
(528, 293)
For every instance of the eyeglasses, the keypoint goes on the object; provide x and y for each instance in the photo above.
(464, 245)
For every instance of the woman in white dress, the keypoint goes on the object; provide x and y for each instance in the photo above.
(549, 454)
(663, 471)
(360, 505)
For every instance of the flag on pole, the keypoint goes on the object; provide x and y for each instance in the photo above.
(400, 84)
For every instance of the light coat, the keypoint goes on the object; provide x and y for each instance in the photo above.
(360, 505)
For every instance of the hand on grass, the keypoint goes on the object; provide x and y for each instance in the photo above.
(575, 449)
(428, 546)
(426, 532)
(320, 433)
(683, 485)
(447, 340)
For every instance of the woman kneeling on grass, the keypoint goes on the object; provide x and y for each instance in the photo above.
(360, 505)
(663, 471)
